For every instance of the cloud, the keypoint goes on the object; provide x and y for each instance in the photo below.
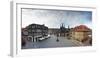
(53, 18)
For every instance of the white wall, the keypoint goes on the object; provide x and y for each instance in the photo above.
(5, 28)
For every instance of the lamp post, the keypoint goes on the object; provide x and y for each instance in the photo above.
(57, 37)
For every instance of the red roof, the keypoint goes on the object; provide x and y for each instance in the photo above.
(81, 28)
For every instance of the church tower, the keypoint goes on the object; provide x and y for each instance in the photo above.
(62, 30)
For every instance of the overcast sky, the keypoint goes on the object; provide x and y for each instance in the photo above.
(54, 18)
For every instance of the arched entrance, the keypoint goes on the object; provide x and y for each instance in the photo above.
(32, 39)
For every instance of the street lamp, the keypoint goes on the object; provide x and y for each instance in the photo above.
(57, 38)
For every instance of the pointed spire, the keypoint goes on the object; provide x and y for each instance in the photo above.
(68, 27)
(62, 24)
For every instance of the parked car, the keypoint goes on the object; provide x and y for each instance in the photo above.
(42, 38)
(48, 36)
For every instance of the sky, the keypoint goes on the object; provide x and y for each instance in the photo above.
(54, 18)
